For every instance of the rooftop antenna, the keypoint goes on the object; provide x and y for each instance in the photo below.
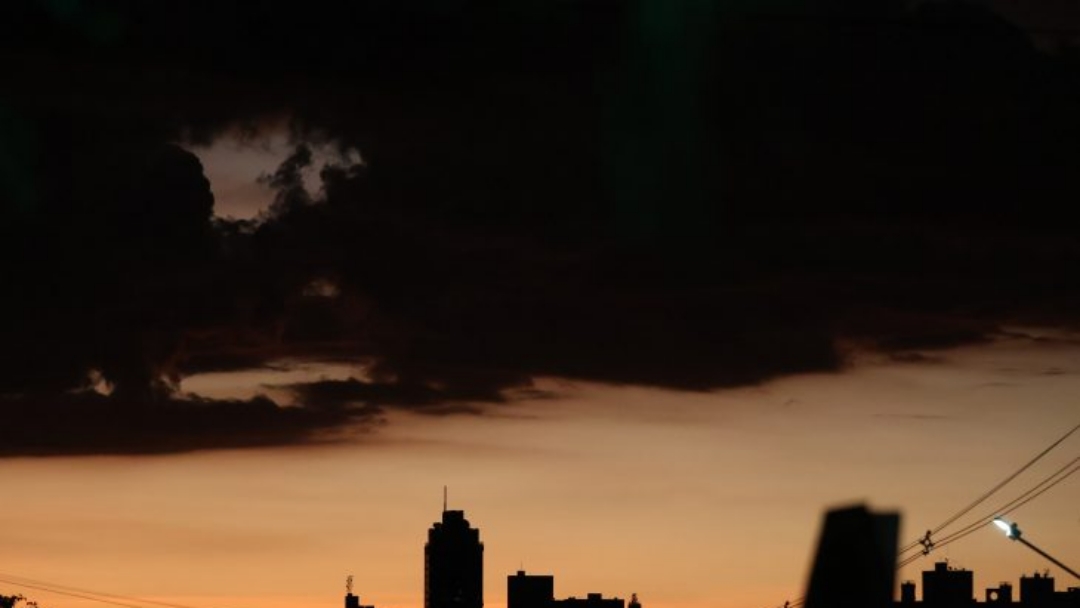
(348, 584)
(444, 499)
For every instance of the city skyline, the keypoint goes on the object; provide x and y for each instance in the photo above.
(1001, 550)
(942, 586)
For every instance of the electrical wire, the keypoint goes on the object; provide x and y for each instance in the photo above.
(124, 601)
(1024, 498)
(1054, 479)
(1031, 494)
(1004, 482)
(71, 594)
(1012, 505)
(926, 542)
(12, 578)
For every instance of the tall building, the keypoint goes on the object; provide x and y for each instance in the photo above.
(453, 564)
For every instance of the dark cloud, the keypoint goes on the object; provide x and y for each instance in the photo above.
(431, 399)
(913, 357)
(88, 423)
(689, 196)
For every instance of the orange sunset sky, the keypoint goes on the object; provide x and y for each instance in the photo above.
(713, 500)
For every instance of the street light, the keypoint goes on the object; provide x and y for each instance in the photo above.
(1013, 531)
(1010, 530)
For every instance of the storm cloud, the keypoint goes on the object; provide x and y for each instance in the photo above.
(679, 195)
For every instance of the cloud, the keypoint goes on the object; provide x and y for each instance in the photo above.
(913, 357)
(425, 399)
(88, 423)
(541, 195)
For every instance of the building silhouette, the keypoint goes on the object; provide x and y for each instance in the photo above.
(1000, 595)
(855, 560)
(353, 601)
(1037, 591)
(454, 574)
(453, 564)
(592, 600)
(530, 590)
(538, 591)
(947, 587)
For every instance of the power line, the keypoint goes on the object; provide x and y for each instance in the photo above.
(1025, 497)
(128, 598)
(1031, 494)
(1062, 474)
(927, 543)
(1005, 481)
(1021, 500)
(125, 601)
(71, 594)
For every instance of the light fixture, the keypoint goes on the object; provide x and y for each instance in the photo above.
(1010, 530)
(1013, 531)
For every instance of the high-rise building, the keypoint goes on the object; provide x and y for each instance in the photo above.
(453, 564)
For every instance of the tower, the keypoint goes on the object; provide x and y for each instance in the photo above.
(453, 564)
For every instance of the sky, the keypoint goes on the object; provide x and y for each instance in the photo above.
(648, 286)
(688, 499)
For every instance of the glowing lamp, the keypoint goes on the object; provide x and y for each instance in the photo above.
(1012, 531)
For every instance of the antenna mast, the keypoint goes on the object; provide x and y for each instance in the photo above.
(444, 499)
